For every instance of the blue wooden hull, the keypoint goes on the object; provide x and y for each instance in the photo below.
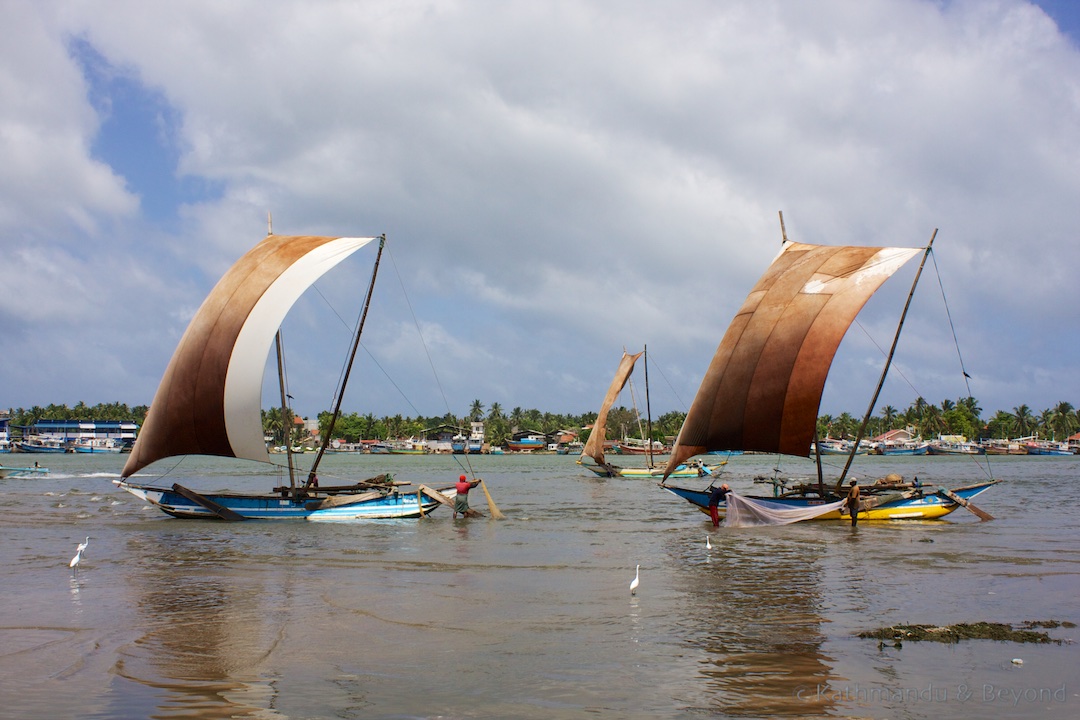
(393, 505)
(1032, 450)
(43, 449)
(921, 450)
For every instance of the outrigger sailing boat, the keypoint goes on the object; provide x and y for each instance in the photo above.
(209, 401)
(763, 388)
(594, 447)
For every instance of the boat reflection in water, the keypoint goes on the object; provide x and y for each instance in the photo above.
(208, 629)
(755, 610)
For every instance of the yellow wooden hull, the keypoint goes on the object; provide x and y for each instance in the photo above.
(931, 506)
(927, 512)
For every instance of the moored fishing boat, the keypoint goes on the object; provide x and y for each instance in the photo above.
(908, 448)
(209, 400)
(954, 447)
(632, 446)
(1004, 447)
(763, 388)
(97, 445)
(527, 443)
(42, 445)
(1044, 447)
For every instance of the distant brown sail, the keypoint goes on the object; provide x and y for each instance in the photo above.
(209, 400)
(763, 388)
(594, 447)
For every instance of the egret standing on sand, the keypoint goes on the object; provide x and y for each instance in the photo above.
(78, 552)
(636, 581)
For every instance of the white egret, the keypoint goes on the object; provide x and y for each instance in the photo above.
(636, 581)
(78, 552)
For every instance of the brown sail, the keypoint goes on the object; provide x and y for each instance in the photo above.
(594, 447)
(209, 400)
(763, 388)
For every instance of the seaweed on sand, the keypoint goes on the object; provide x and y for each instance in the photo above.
(1026, 633)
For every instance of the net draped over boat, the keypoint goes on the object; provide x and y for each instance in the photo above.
(763, 387)
(209, 401)
(594, 447)
(748, 512)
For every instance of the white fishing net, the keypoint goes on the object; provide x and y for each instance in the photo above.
(746, 512)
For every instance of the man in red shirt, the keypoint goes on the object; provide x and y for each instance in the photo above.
(461, 500)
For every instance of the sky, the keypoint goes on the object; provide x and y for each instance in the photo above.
(557, 182)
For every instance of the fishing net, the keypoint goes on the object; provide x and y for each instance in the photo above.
(745, 512)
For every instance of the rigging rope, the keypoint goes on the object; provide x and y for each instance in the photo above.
(431, 363)
(951, 325)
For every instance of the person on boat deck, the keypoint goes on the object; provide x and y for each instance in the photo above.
(853, 501)
(461, 500)
(718, 496)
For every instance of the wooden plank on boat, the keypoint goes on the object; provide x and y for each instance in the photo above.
(436, 495)
(982, 514)
(220, 510)
(339, 500)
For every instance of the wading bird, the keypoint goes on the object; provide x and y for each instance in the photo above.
(78, 552)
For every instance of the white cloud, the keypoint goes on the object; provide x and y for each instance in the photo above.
(559, 180)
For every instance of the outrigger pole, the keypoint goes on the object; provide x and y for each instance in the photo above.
(888, 362)
(348, 368)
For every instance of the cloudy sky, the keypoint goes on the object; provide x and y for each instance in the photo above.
(557, 181)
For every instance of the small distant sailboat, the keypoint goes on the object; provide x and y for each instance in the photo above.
(209, 401)
(763, 388)
(594, 446)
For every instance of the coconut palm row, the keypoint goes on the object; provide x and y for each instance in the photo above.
(962, 417)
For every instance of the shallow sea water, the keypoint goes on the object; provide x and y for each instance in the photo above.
(530, 616)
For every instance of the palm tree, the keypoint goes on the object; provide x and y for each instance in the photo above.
(847, 425)
(1023, 422)
(824, 426)
(1046, 422)
(1064, 420)
(495, 412)
(517, 418)
(972, 406)
(888, 414)
(932, 421)
(476, 411)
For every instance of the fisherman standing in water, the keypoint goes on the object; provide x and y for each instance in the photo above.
(461, 500)
(718, 496)
(852, 502)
